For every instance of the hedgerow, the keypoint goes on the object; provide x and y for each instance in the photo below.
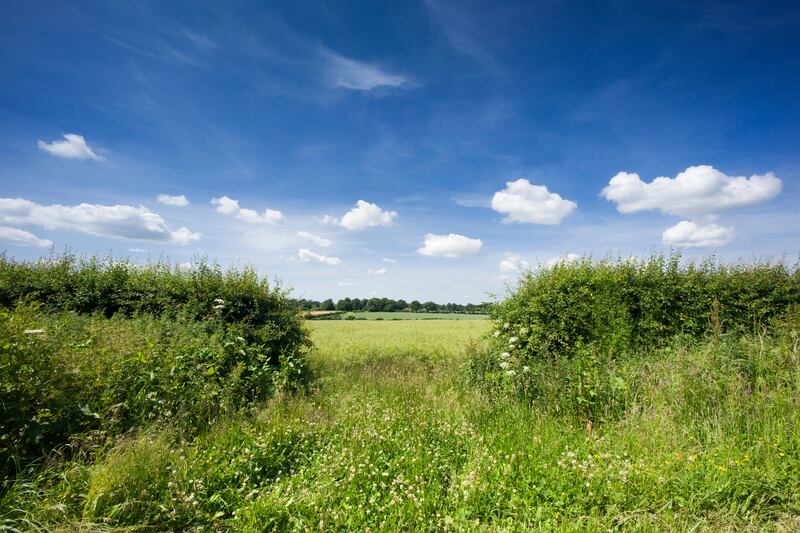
(575, 324)
(91, 349)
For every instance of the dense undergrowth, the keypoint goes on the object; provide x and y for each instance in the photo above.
(90, 350)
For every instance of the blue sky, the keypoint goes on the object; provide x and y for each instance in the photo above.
(423, 150)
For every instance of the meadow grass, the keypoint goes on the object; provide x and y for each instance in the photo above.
(395, 437)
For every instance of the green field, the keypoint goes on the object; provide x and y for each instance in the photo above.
(407, 315)
(393, 438)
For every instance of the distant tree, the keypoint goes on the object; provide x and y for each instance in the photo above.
(327, 305)
(415, 306)
(374, 304)
(344, 305)
(430, 307)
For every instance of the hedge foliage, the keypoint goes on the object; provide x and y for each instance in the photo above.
(93, 348)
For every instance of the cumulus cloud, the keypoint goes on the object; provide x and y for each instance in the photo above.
(178, 200)
(359, 76)
(451, 245)
(316, 239)
(524, 202)
(122, 221)
(698, 190)
(229, 206)
(514, 263)
(21, 237)
(566, 259)
(687, 234)
(377, 271)
(73, 146)
(308, 256)
(367, 215)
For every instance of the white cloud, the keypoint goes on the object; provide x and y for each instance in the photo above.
(688, 234)
(523, 202)
(451, 245)
(22, 237)
(121, 221)
(359, 76)
(566, 259)
(699, 190)
(72, 147)
(367, 215)
(178, 200)
(377, 271)
(137, 250)
(229, 206)
(514, 263)
(327, 219)
(388, 260)
(347, 284)
(307, 256)
(316, 239)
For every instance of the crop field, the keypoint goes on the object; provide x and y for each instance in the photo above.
(406, 315)
(431, 425)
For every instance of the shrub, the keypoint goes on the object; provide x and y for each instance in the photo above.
(563, 329)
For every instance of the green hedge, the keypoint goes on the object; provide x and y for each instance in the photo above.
(631, 305)
(122, 344)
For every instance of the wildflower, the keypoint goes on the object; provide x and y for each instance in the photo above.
(219, 300)
(33, 331)
(497, 333)
(504, 365)
(219, 306)
(523, 331)
(505, 355)
(511, 373)
(506, 325)
(526, 368)
(512, 340)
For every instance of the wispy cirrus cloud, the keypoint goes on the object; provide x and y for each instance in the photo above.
(316, 239)
(341, 71)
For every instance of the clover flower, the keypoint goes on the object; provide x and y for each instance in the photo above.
(504, 365)
(526, 368)
(512, 340)
(497, 333)
(505, 355)
(511, 373)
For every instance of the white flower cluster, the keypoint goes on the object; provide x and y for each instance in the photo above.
(220, 303)
(508, 360)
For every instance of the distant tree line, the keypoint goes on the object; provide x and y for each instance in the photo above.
(387, 304)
